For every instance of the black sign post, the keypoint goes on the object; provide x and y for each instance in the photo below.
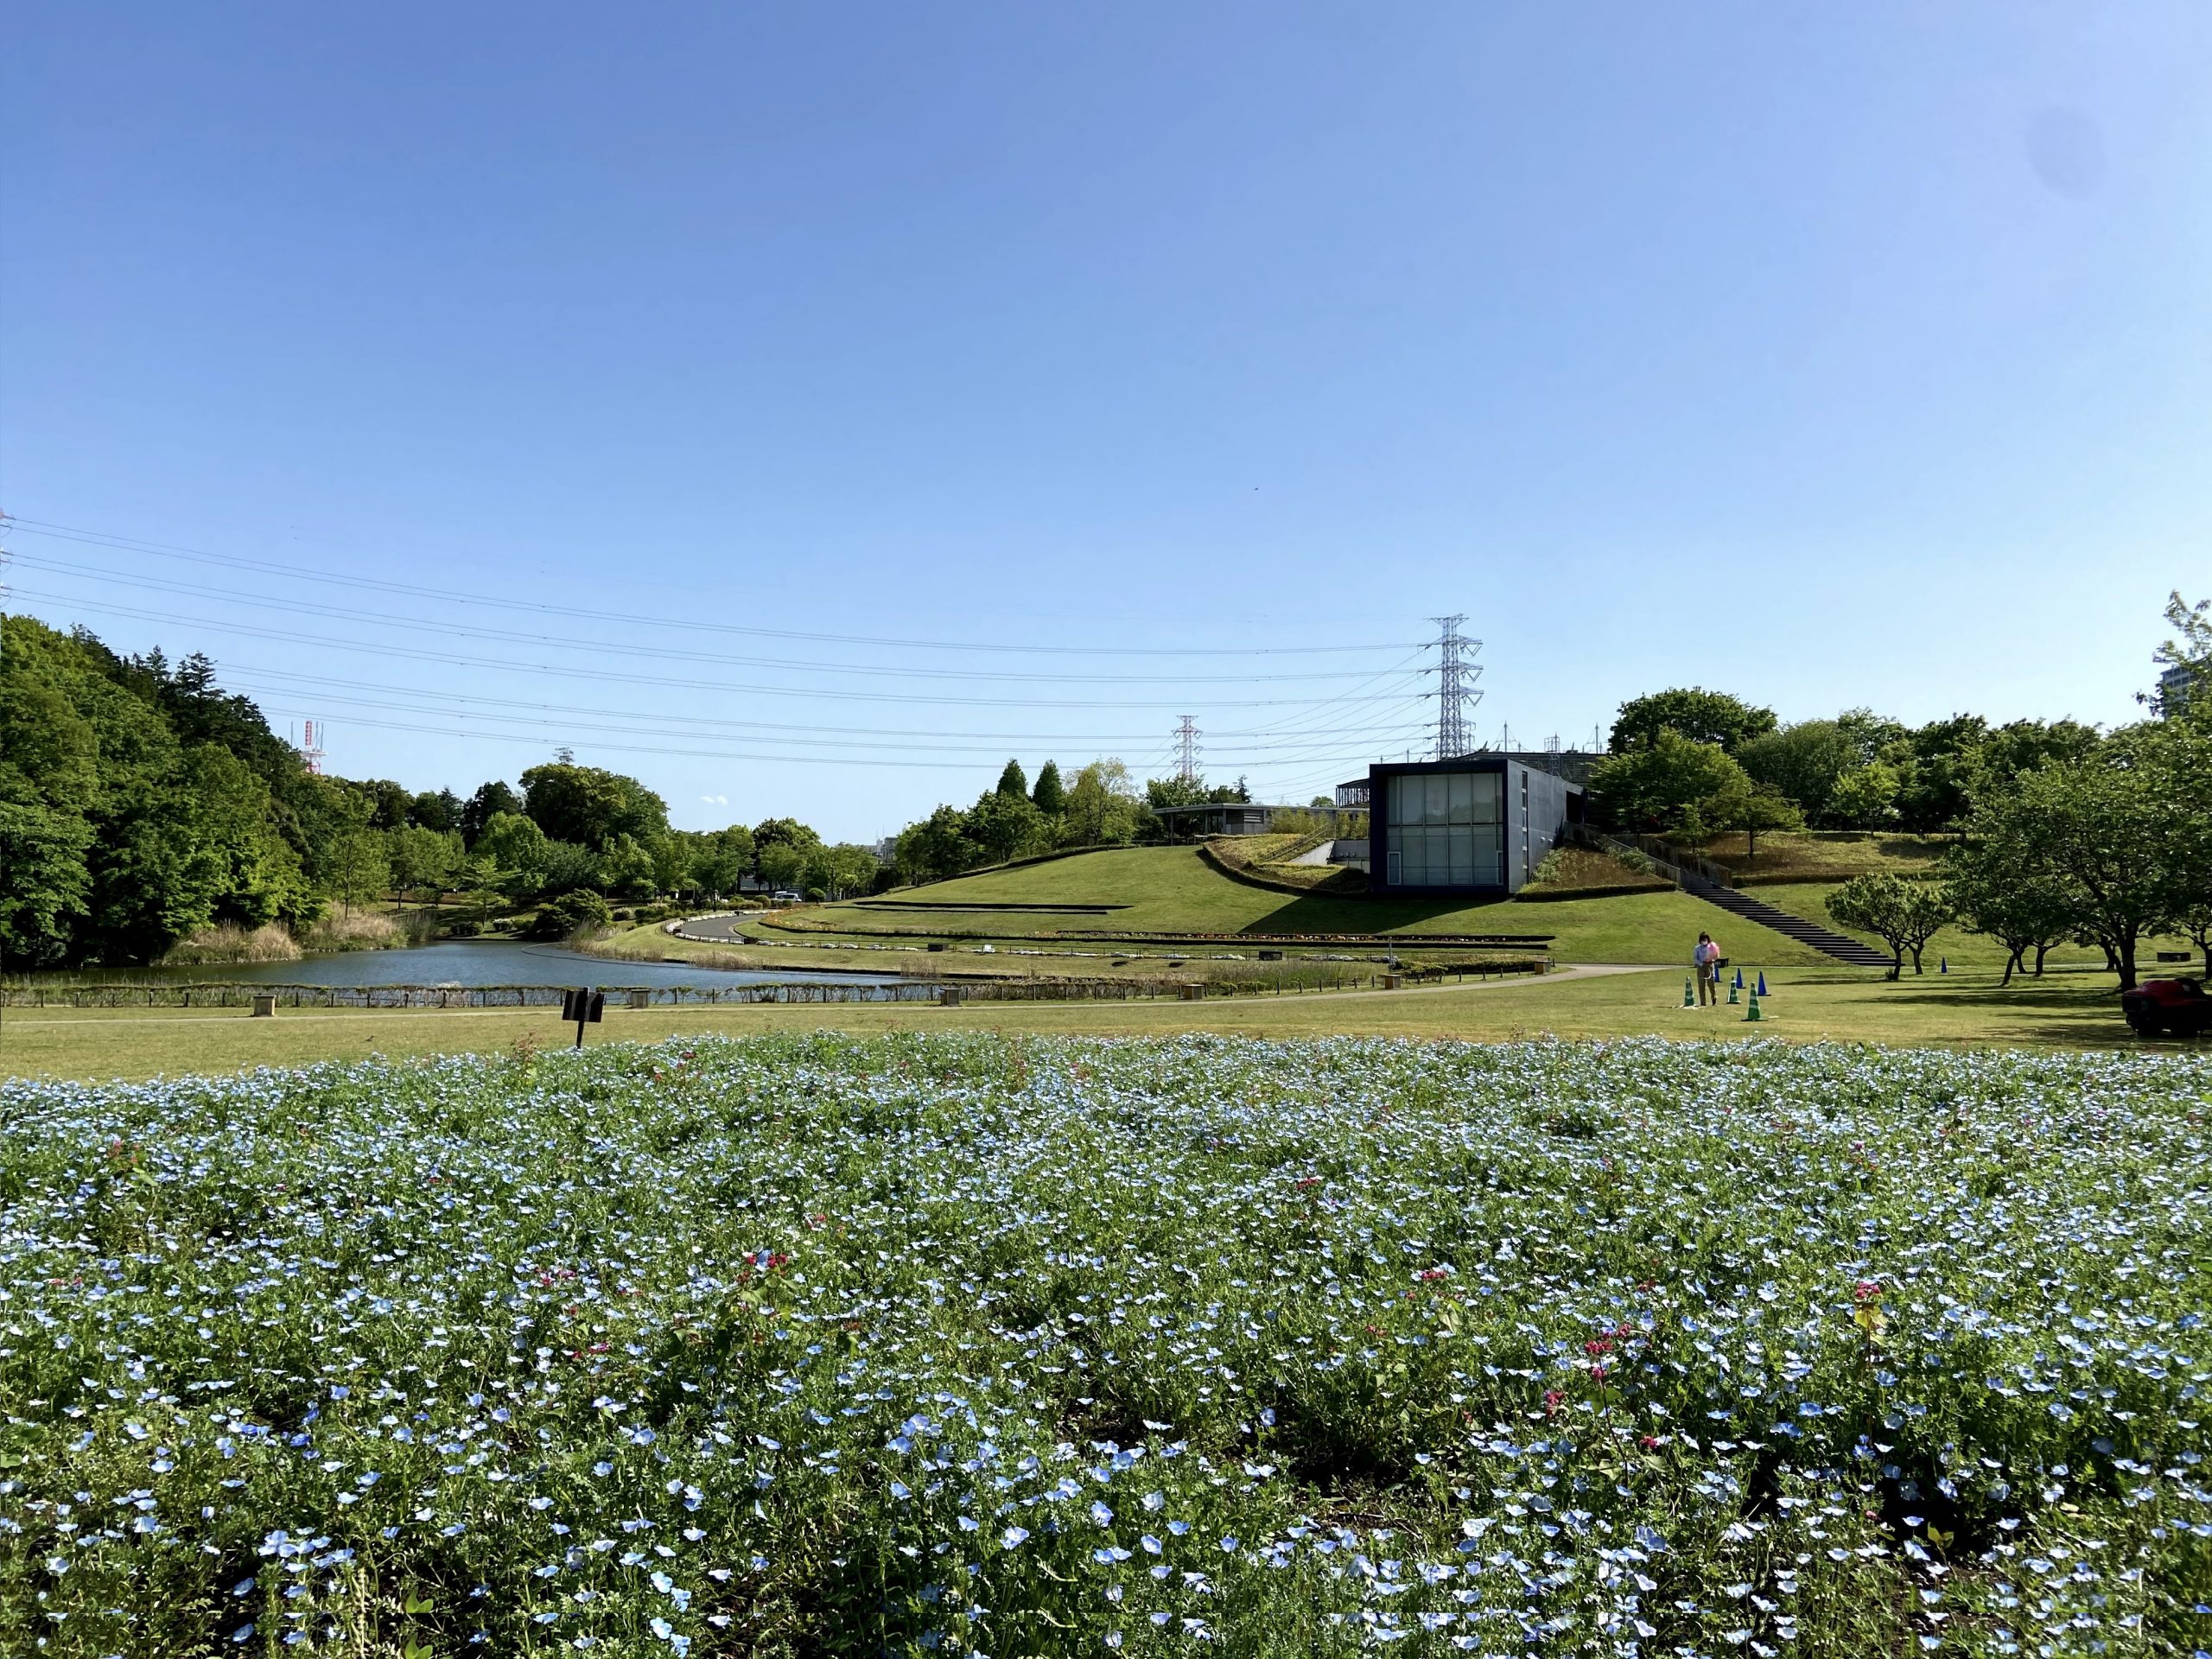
(582, 1007)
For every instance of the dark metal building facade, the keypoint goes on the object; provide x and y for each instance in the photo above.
(1480, 823)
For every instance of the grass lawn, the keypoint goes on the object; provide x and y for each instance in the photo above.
(1171, 889)
(1822, 856)
(1964, 1009)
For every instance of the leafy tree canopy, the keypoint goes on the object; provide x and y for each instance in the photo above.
(590, 806)
(1702, 716)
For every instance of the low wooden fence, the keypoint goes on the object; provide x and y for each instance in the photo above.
(241, 994)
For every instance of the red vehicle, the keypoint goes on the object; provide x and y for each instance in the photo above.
(2174, 1007)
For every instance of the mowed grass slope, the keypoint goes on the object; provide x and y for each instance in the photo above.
(1173, 890)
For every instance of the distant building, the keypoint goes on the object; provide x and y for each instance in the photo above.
(2176, 686)
(1480, 823)
(1230, 818)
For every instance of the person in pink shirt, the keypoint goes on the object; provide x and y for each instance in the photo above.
(1704, 965)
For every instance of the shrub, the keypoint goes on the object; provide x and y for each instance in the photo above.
(227, 942)
(462, 930)
(580, 911)
(362, 931)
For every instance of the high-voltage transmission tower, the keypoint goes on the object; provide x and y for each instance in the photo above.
(1187, 751)
(1456, 695)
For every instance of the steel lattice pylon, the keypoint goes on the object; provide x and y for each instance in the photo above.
(1456, 695)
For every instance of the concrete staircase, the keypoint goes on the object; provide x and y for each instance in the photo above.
(1736, 902)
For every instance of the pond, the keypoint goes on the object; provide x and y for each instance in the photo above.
(457, 962)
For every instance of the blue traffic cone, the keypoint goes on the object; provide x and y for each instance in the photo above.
(1762, 982)
(1944, 964)
(1739, 979)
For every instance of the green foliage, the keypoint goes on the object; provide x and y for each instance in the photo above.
(580, 911)
(1865, 798)
(2189, 649)
(1702, 716)
(1049, 797)
(1999, 890)
(489, 801)
(43, 882)
(1194, 791)
(843, 870)
(2119, 839)
(781, 863)
(1904, 914)
(592, 807)
(627, 869)
(784, 832)
(1014, 781)
(1671, 783)
(422, 861)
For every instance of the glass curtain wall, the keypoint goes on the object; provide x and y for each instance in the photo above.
(1447, 830)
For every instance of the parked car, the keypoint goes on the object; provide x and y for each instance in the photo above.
(2173, 1008)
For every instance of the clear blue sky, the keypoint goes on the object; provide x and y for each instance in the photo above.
(1830, 355)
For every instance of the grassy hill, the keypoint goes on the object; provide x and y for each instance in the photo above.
(1171, 889)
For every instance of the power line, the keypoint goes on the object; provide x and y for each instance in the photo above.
(662, 681)
(319, 682)
(609, 647)
(133, 544)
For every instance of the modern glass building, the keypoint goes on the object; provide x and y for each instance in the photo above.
(1478, 824)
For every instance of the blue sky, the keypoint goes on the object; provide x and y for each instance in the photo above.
(1832, 356)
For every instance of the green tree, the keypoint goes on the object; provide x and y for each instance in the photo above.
(936, 846)
(626, 869)
(1702, 716)
(360, 871)
(1671, 783)
(1904, 914)
(2112, 837)
(1865, 797)
(1739, 804)
(781, 863)
(2190, 650)
(1103, 808)
(592, 807)
(2000, 892)
(1005, 826)
(439, 809)
(722, 861)
(1014, 781)
(421, 860)
(842, 869)
(250, 872)
(488, 803)
(517, 848)
(44, 883)
(577, 914)
(676, 859)
(1049, 797)
(1801, 763)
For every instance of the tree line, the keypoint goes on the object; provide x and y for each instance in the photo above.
(141, 804)
(1015, 819)
(2065, 833)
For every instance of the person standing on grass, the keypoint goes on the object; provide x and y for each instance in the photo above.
(1703, 968)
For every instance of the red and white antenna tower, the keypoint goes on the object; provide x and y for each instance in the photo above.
(307, 740)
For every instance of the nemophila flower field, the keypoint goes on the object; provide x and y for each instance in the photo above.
(960, 1345)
